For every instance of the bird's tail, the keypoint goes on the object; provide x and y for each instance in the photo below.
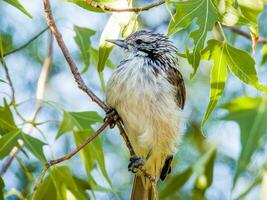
(143, 189)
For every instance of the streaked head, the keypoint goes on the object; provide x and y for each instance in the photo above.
(146, 43)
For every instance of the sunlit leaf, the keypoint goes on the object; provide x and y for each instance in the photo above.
(7, 142)
(206, 15)
(17, 5)
(231, 16)
(83, 40)
(240, 64)
(83, 4)
(218, 77)
(7, 122)
(175, 183)
(35, 146)
(112, 30)
(250, 114)
(2, 185)
(78, 120)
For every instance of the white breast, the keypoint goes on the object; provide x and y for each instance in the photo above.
(145, 101)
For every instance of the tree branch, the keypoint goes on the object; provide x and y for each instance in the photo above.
(110, 9)
(69, 155)
(245, 34)
(10, 83)
(39, 97)
(73, 67)
(76, 74)
(26, 44)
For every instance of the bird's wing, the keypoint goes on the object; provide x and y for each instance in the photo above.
(176, 79)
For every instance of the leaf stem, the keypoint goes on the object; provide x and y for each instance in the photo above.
(110, 9)
(27, 43)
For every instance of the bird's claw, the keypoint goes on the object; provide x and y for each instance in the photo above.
(112, 114)
(136, 163)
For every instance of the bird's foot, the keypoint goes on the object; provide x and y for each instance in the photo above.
(113, 115)
(135, 164)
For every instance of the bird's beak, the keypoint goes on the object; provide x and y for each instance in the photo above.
(120, 43)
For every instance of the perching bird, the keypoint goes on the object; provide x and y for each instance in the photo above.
(147, 90)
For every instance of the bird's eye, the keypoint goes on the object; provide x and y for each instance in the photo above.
(139, 41)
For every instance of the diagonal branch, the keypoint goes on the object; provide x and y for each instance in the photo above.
(245, 34)
(73, 67)
(70, 155)
(77, 75)
(26, 44)
(110, 9)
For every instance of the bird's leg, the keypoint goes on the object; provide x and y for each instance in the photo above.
(112, 113)
(136, 163)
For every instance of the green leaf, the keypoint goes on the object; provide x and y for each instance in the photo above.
(95, 57)
(35, 146)
(206, 15)
(78, 120)
(2, 185)
(83, 40)
(204, 168)
(112, 30)
(92, 153)
(6, 43)
(240, 64)
(7, 142)
(251, 10)
(7, 123)
(17, 5)
(175, 183)
(86, 6)
(218, 77)
(61, 184)
(230, 15)
(250, 113)
(264, 54)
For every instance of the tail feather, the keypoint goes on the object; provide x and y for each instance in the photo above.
(143, 189)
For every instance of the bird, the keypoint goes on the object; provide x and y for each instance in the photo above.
(148, 92)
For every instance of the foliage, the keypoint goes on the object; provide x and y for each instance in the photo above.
(210, 32)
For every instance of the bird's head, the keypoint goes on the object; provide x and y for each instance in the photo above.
(147, 44)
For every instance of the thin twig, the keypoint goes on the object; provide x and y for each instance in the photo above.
(70, 155)
(39, 97)
(9, 80)
(65, 51)
(27, 43)
(110, 9)
(245, 34)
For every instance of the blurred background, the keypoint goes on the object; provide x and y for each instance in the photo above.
(205, 166)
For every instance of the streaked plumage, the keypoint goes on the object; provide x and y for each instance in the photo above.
(148, 92)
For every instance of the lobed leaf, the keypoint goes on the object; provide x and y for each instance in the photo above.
(240, 63)
(206, 15)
